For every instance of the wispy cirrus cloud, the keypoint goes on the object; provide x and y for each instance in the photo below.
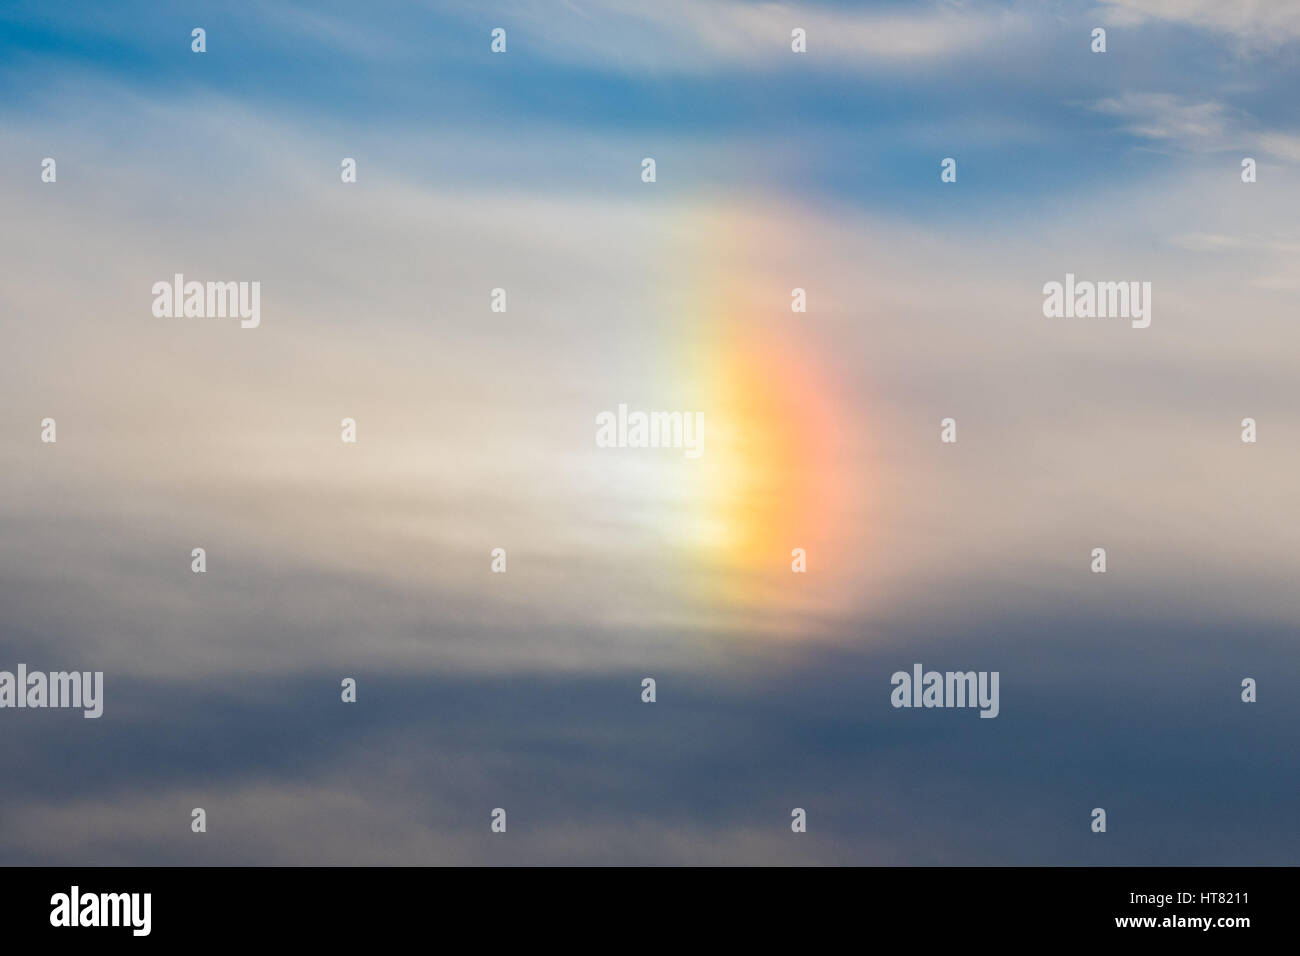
(689, 35)
(1169, 118)
(1195, 124)
(1269, 23)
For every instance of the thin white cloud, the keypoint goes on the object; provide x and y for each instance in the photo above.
(690, 35)
(1214, 242)
(1196, 125)
(1262, 23)
(1282, 145)
(1170, 119)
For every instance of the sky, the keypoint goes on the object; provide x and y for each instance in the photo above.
(476, 430)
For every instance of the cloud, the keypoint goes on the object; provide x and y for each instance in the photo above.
(1282, 145)
(1193, 124)
(375, 307)
(1262, 23)
(690, 35)
(1210, 242)
(521, 690)
(1171, 121)
(408, 775)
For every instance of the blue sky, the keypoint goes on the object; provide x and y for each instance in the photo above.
(1010, 88)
